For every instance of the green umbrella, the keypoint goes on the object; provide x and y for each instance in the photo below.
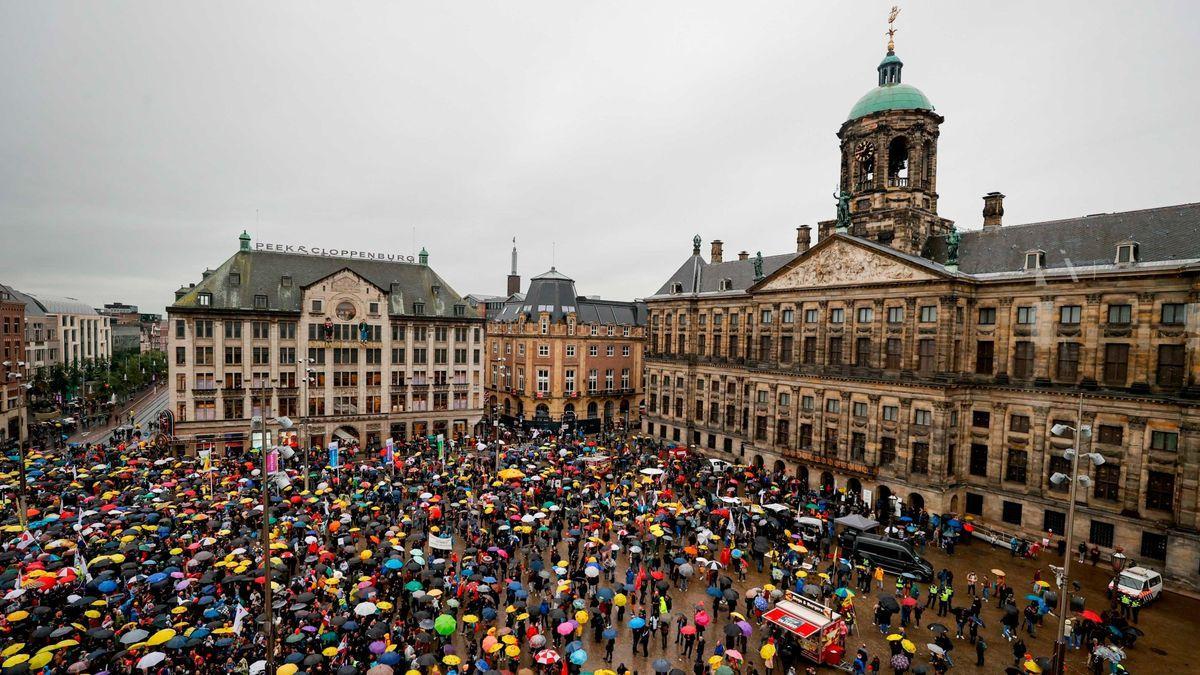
(412, 586)
(445, 625)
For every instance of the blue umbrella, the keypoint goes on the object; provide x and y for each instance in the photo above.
(200, 633)
(350, 625)
(489, 580)
(156, 577)
(715, 592)
(224, 642)
(605, 593)
(107, 586)
(393, 564)
(610, 633)
(488, 613)
(578, 657)
(514, 585)
(480, 665)
(389, 658)
(573, 646)
(637, 622)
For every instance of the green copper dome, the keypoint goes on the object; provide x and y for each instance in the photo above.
(890, 94)
(890, 97)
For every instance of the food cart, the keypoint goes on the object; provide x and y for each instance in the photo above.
(812, 629)
(597, 466)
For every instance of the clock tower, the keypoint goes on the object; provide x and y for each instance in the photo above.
(889, 163)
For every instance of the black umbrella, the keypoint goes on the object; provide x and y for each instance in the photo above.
(937, 628)
(661, 666)
(889, 602)
(732, 630)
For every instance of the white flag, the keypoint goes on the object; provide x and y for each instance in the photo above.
(239, 614)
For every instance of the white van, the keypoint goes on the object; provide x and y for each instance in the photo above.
(1140, 582)
(719, 465)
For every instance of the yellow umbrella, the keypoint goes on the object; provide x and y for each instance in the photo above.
(12, 649)
(908, 646)
(330, 651)
(767, 651)
(496, 647)
(451, 660)
(714, 661)
(40, 660)
(1032, 667)
(470, 618)
(894, 636)
(287, 669)
(161, 636)
(512, 651)
(19, 615)
(15, 660)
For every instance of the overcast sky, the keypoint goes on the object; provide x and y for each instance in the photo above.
(138, 139)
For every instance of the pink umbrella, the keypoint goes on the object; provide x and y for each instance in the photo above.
(702, 618)
(566, 627)
(546, 657)
(733, 654)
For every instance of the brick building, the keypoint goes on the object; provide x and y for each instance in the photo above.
(14, 368)
(904, 361)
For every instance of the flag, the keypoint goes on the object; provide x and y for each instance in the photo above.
(81, 565)
(239, 614)
(333, 454)
(390, 452)
(25, 540)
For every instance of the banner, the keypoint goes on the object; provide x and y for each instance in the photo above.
(441, 543)
(441, 442)
(272, 462)
(238, 615)
(390, 451)
(333, 454)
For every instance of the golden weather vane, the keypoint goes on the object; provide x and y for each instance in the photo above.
(891, 31)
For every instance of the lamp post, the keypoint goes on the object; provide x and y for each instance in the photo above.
(268, 610)
(1081, 432)
(310, 374)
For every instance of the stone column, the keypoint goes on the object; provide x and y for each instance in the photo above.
(1139, 365)
(843, 450)
(1090, 337)
(878, 338)
(903, 451)
(1035, 478)
(872, 452)
(908, 347)
(1044, 338)
(1003, 333)
(939, 447)
(1189, 462)
(996, 443)
(1131, 485)
(946, 330)
(822, 331)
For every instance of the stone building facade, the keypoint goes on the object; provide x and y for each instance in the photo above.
(557, 358)
(14, 369)
(904, 361)
(349, 349)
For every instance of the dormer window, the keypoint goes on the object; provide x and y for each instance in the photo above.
(205, 299)
(676, 288)
(1035, 260)
(235, 278)
(260, 302)
(725, 284)
(419, 308)
(1127, 253)
(285, 281)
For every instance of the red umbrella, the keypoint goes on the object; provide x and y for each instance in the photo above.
(1089, 615)
(909, 601)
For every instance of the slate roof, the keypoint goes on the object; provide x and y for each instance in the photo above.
(554, 292)
(1164, 235)
(699, 276)
(263, 272)
(40, 305)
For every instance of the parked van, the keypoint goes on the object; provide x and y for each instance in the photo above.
(893, 555)
(1139, 582)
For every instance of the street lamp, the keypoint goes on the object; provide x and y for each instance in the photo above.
(1072, 455)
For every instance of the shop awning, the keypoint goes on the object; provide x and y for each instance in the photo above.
(344, 436)
(792, 622)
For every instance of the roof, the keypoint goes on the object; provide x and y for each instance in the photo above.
(53, 304)
(896, 96)
(9, 294)
(699, 276)
(554, 293)
(1164, 235)
(262, 273)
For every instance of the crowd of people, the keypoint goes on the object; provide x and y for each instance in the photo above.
(548, 554)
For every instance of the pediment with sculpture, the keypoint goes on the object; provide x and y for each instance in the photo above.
(843, 263)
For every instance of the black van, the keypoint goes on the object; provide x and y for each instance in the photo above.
(893, 555)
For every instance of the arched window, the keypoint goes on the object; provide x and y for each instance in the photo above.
(864, 164)
(898, 162)
(592, 410)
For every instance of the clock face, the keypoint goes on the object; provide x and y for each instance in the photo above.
(864, 151)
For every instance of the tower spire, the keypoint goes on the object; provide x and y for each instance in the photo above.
(891, 31)
(514, 257)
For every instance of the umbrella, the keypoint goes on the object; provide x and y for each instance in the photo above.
(937, 628)
(934, 649)
(150, 660)
(547, 657)
(661, 666)
(578, 657)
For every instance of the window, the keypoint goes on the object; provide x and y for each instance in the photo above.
(543, 349)
(887, 450)
(810, 350)
(261, 356)
(891, 413)
(892, 355)
(1068, 360)
(1120, 314)
(978, 464)
(895, 315)
(179, 328)
(233, 330)
(181, 356)
(1057, 464)
(785, 348)
(1116, 363)
(233, 356)
(1015, 471)
(543, 381)
(260, 330)
(1023, 359)
(862, 352)
(859, 409)
(833, 405)
(1107, 482)
(835, 351)
(789, 316)
(1164, 440)
(204, 328)
(1100, 534)
(1019, 424)
(974, 504)
(785, 399)
(922, 418)
(928, 314)
(205, 300)
(1111, 434)
(625, 350)
(1069, 314)
(981, 419)
(807, 403)
(419, 308)
(927, 355)
(1026, 315)
(1154, 546)
(1173, 313)
(317, 305)
(920, 457)
(858, 446)
(1170, 365)
(1035, 260)
(837, 315)
(866, 315)
(987, 316)
(570, 351)
(766, 316)
(810, 316)
(985, 355)
(1054, 521)
(1127, 253)
(760, 396)
(260, 301)
(831, 441)
(593, 350)
(1160, 491)
(1011, 512)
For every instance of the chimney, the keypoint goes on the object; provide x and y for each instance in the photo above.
(716, 256)
(993, 210)
(743, 255)
(803, 238)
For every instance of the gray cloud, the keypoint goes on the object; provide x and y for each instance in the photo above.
(140, 138)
